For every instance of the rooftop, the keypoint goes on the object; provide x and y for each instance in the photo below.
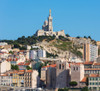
(53, 65)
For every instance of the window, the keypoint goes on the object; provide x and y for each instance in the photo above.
(59, 66)
(73, 68)
(62, 66)
(76, 68)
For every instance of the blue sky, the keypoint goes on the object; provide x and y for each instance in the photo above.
(24, 17)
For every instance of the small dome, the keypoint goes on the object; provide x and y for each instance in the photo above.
(45, 22)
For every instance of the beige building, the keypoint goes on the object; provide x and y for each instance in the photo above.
(31, 78)
(21, 78)
(47, 29)
(90, 52)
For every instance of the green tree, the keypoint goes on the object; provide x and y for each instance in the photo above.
(28, 67)
(11, 52)
(85, 89)
(87, 81)
(67, 35)
(60, 89)
(63, 89)
(73, 83)
(89, 37)
(14, 67)
(16, 45)
(85, 37)
(22, 48)
(78, 37)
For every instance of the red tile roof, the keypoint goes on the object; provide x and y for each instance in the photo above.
(53, 65)
(92, 69)
(23, 63)
(84, 79)
(88, 63)
(96, 64)
(94, 75)
(28, 71)
(76, 63)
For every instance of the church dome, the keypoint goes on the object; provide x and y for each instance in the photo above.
(45, 22)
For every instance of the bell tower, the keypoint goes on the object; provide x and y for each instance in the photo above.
(50, 27)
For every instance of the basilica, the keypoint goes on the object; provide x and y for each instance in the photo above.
(47, 29)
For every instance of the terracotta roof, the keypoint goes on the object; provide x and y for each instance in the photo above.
(84, 79)
(53, 65)
(28, 71)
(3, 75)
(15, 71)
(94, 75)
(96, 64)
(23, 63)
(12, 59)
(21, 70)
(92, 69)
(21, 50)
(88, 63)
(75, 63)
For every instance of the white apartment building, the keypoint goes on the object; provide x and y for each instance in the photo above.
(4, 66)
(35, 54)
(90, 52)
(3, 43)
(6, 80)
(41, 53)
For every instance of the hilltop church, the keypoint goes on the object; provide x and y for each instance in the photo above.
(47, 29)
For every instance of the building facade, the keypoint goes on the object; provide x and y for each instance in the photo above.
(94, 82)
(62, 74)
(90, 52)
(77, 72)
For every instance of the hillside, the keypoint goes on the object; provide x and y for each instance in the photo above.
(62, 47)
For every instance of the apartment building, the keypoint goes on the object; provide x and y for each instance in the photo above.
(6, 79)
(20, 78)
(94, 82)
(4, 66)
(31, 78)
(37, 53)
(90, 52)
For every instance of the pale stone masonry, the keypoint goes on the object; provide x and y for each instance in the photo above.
(47, 29)
(77, 72)
(62, 74)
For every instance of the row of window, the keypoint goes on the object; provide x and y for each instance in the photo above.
(92, 71)
(93, 79)
(94, 83)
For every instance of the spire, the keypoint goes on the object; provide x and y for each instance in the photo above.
(50, 12)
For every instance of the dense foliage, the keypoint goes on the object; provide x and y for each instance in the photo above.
(63, 89)
(28, 68)
(14, 67)
(62, 43)
(85, 89)
(73, 83)
(51, 55)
